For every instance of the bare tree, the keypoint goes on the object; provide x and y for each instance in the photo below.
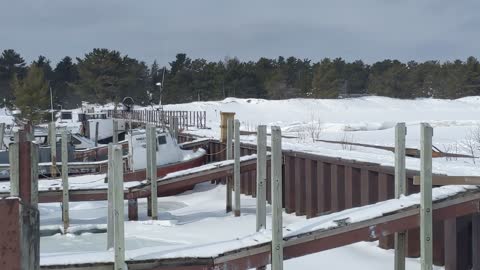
(314, 128)
(472, 142)
(346, 141)
(452, 149)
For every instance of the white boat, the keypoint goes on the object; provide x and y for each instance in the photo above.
(167, 149)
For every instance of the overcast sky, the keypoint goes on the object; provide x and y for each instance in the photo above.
(369, 30)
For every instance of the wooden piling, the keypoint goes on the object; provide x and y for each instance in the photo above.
(2, 132)
(96, 133)
(119, 218)
(152, 168)
(261, 177)
(13, 156)
(400, 189)
(426, 197)
(65, 193)
(115, 131)
(229, 185)
(277, 233)
(236, 176)
(110, 178)
(53, 148)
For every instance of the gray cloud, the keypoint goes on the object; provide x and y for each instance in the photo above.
(370, 30)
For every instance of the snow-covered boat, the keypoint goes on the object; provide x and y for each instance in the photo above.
(86, 124)
(170, 157)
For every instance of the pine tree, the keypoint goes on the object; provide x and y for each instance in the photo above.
(100, 73)
(31, 94)
(105, 76)
(327, 78)
(64, 76)
(11, 64)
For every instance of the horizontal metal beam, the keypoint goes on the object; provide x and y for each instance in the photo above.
(443, 180)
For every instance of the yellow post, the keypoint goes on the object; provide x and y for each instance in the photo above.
(224, 116)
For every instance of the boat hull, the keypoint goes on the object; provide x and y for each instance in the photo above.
(163, 170)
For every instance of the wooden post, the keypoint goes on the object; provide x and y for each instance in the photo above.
(170, 126)
(261, 177)
(53, 148)
(229, 157)
(65, 193)
(224, 118)
(96, 133)
(2, 132)
(28, 193)
(277, 234)
(152, 168)
(175, 128)
(236, 168)
(426, 248)
(13, 156)
(400, 188)
(110, 179)
(34, 152)
(115, 131)
(119, 218)
(204, 119)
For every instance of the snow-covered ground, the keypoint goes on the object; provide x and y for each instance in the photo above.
(195, 222)
(368, 120)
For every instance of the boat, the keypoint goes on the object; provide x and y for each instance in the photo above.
(169, 155)
(86, 122)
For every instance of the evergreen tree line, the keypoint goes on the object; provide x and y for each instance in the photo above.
(104, 75)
